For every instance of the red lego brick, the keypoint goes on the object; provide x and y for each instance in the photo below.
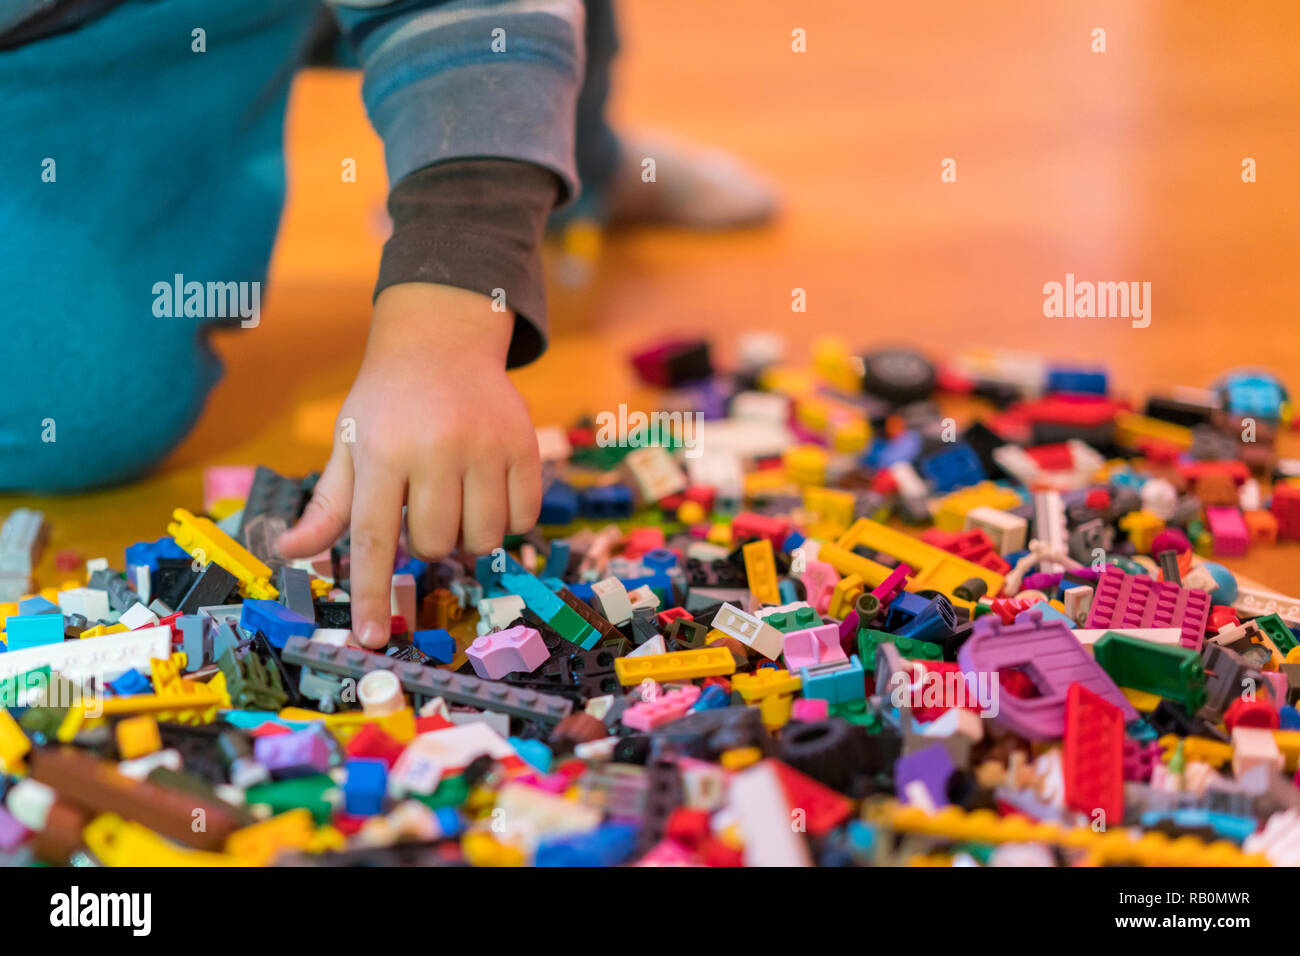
(1124, 600)
(1286, 509)
(823, 808)
(1057, 457)
(750, 525)
(1093, 761)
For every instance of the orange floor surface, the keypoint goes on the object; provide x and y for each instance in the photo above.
(1117, 165)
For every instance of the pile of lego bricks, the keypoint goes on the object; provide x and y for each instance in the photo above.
(821, 623)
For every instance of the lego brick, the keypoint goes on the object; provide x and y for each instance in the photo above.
(679, 665)
(421, 681)
(105, 658)
(1123, 600)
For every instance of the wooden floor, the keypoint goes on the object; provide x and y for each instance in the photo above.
(1115, 166)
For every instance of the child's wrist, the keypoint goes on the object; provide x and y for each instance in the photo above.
(431, 318)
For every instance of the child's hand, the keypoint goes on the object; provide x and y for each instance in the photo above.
(433, 421)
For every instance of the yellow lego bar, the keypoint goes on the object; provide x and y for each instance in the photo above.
(952, 510)
(400, 725)
(760, 570)
(764, 683)
(14, 745)
(118, 842)
(205, 542)
(681, 665)
(932, 568)
(1130, 428)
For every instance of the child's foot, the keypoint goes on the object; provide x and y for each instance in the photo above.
(693, 187)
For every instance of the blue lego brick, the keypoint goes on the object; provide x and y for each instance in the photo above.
(605, 502)
(1049, 614)
(837, 683)
(712, 698)
(557, 562)
(934, 623)
(952, 468)
(583, 592)
(414, 567)
(37, 605)
(147, 553)
(904, 447)
(792, 541)
(538, 597)
(534, 753)
(1078, 381)
(363, 793)
(1290, 718)
(1224, 824)
(903, 609)
(34, 630)
(450, 823)
(659, 560)
(437, 643)
(559, 504)
(786, 589)
(274, 620)
(132, 682)
(607, 845)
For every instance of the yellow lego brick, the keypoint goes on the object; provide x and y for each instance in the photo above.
(326, 838)
(760, 570)
(223, 508)
(833, 361)
(137, 736)
(1115, 846)
(775, 710)
(765, 481)
(320, 588)
(481, 848)
(1204, 749)
(740, 758)
(831, 505)
(7, 610)
(812, 413)
(118, 842)
(205, 542)
(719, 534)
(845, 596)
(1131, 427)
(166, 674)
(765, 682)
(932, 568)
(952, 509)
(187, 702)
(851, 436)
(805, 464)
(400, 725)
(14, 745)
(681, 665)
(1142, 528)
(1141, 700)
(100, 630)
(259, 844)
(1288, 742)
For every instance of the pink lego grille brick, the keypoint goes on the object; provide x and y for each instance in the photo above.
(1125, 600)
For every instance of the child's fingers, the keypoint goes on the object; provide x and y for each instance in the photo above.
(484, 521)
(433, 514)
(525, 485)
(326, 515)
(376, 524)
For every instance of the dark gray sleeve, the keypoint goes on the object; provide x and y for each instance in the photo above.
(476, 224)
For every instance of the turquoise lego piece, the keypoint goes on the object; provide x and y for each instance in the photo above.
(33, 630)
(837, 682)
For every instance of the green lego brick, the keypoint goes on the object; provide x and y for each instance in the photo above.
(317, 793)
(1163, 669)
(252, 685)
(1275, 630)
(858, 712)
(451, 792)
(869, 640)
(569, 625)
(796, 620)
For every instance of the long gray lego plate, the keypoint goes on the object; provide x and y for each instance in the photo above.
(422, 681)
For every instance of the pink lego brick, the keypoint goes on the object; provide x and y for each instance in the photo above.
(1228, 528)
(1139, 759)
(1121, 600)
(820, 580)
(811, 709)
(812, 646)
(226, 481)
(649, 714)
(517, 649)
(893, 584)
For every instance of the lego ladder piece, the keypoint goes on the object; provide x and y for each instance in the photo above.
(1094, 755)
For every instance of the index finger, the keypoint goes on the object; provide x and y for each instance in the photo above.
(376, 526)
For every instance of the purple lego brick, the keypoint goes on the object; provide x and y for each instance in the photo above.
(1123, 600)
(932, 767)
(1228, 529)
(12, 833)
(1140, 759)
(299, 754)
(1048, 654)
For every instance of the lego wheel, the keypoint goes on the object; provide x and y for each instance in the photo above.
(898, 375)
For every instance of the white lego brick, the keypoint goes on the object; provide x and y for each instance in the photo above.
(721, 471)
(1078, 601)
(90, 603)
(761, 406)
(334, 636)
(766, 821)
(1007, 531)
(1257, 602)
(910, 484)
(1279, 840)
(1155, 635)
(553, 444)
(496, 613)
(749, 630)
(643, 598)
(655, 473)
(612, 601)
(138, 616)
(744, 438)
(143, 582)
(22, 536)
(106, 657)
(650, 648)
(1050, 527)
(96, 564)
(755, 350)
